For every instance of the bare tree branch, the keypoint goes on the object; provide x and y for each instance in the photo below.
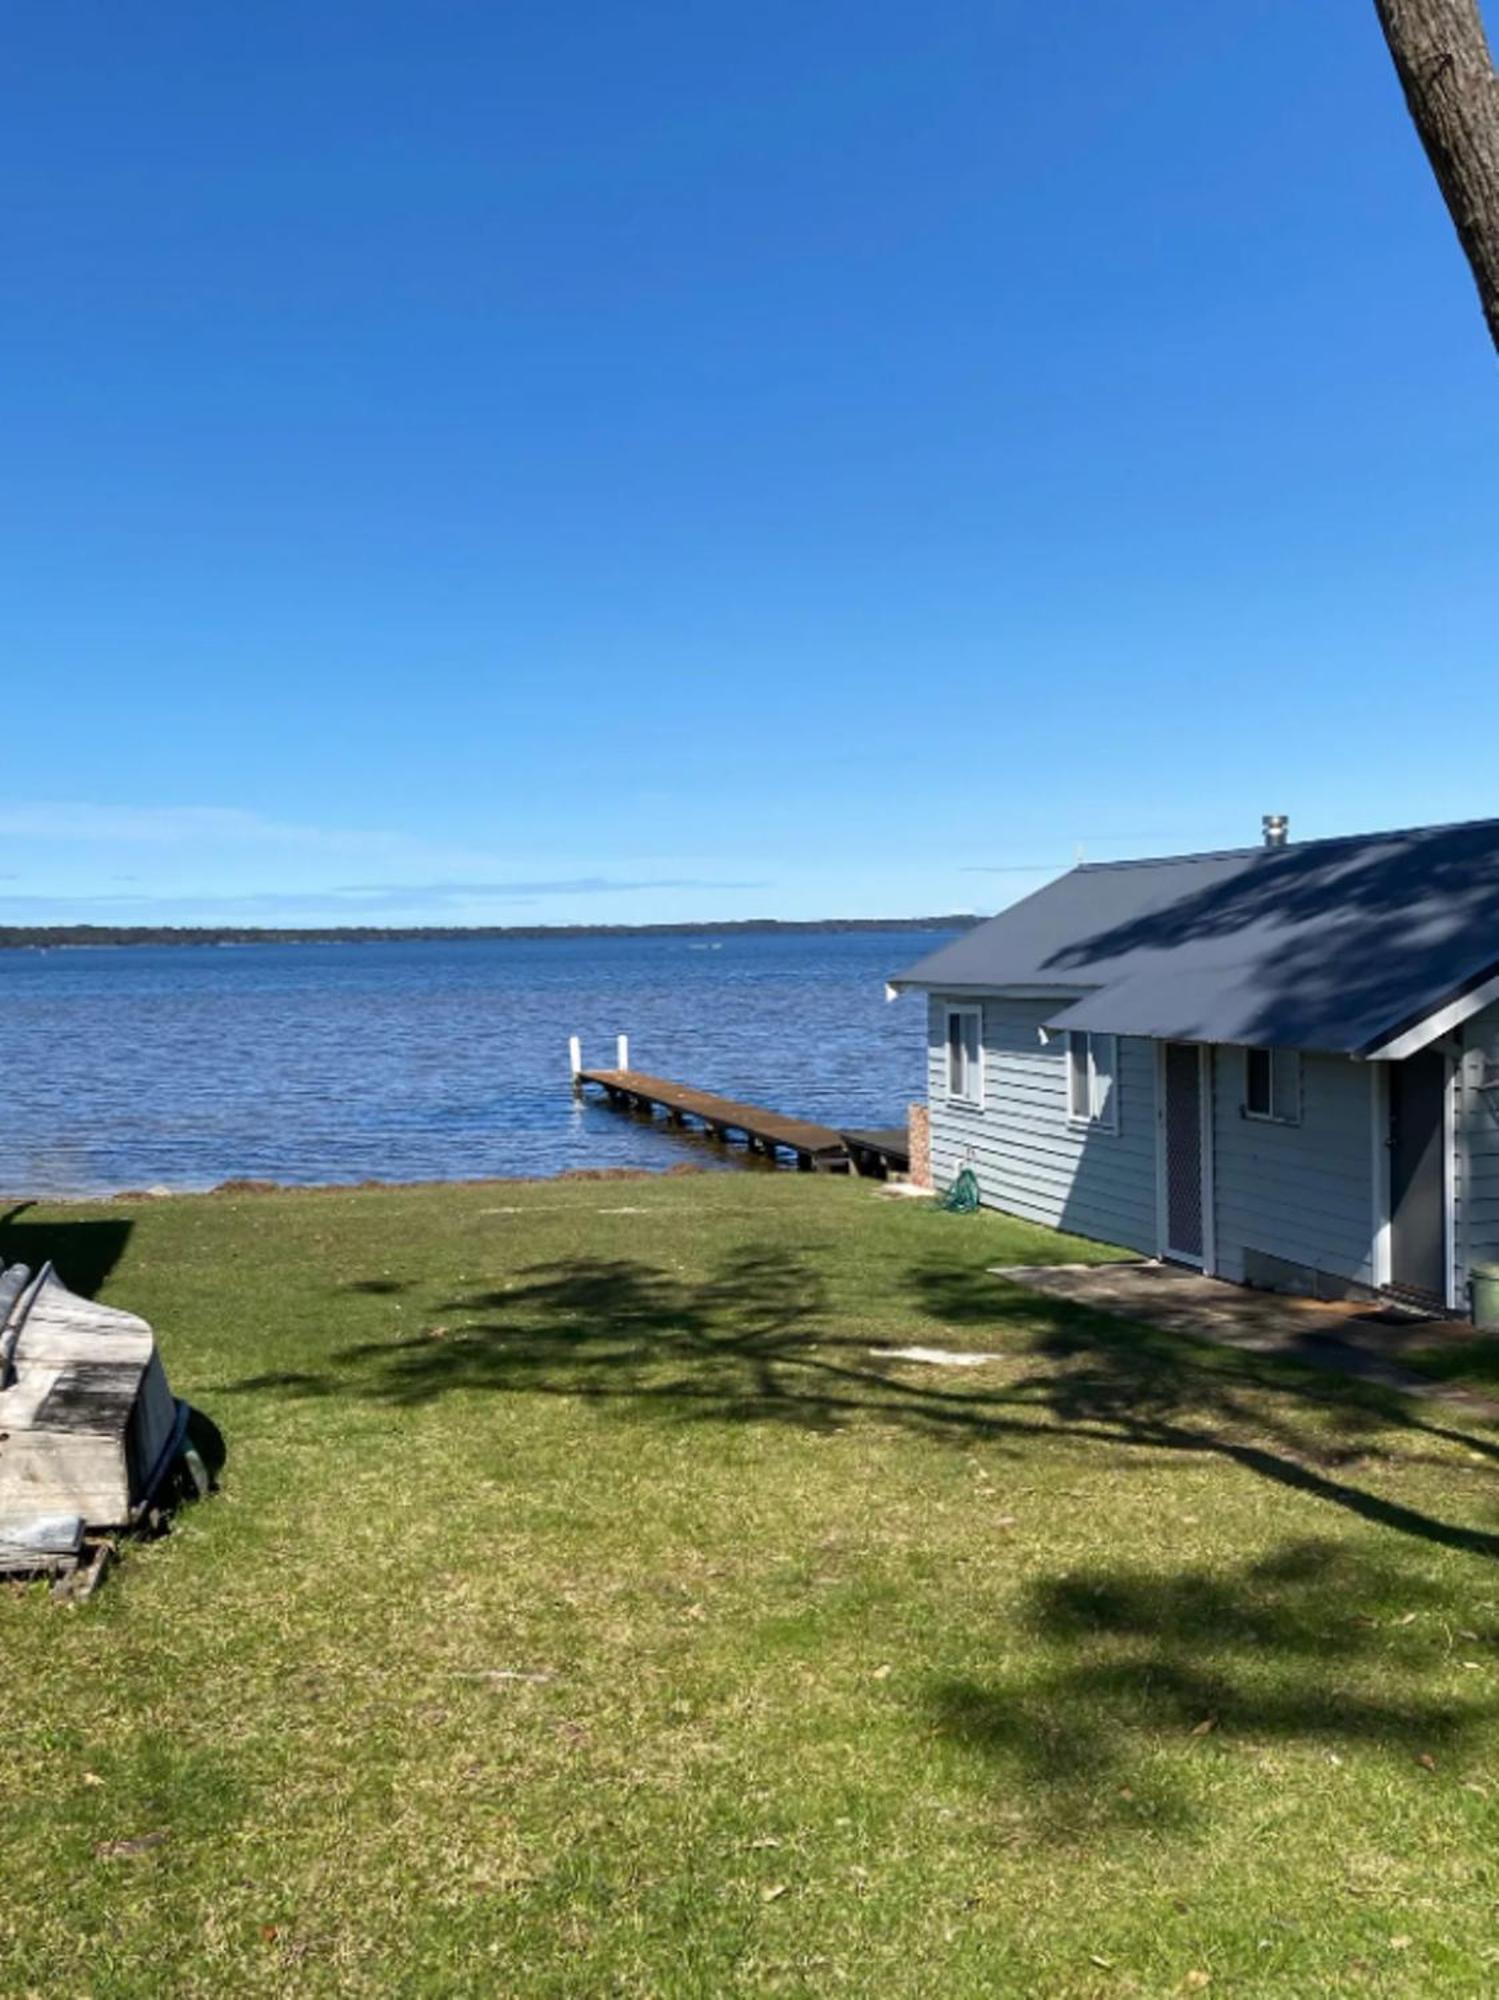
(1447, 72)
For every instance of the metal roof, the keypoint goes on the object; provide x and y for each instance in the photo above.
(1326, 944)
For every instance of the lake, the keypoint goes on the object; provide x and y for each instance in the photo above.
(183, 1065)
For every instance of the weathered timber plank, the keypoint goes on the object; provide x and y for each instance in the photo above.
(27, 1544)
(60, 1327)
(89, 1397)
(43, 1472)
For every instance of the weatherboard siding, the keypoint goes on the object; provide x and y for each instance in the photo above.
(1028, 1158)
(1303, 1193)
(1477, 1148)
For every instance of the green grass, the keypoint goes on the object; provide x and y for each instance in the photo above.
(1114, 1667)
(1470, 1363)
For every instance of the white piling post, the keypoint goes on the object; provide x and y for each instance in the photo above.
(621, 1052)
(575, 1058)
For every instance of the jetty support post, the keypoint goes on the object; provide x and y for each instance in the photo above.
(575, 1061)
(621, 1052)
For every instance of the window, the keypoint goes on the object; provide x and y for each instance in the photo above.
(965, 1077)
(1272, 1085)
(1079, 1083)
(1092, 1084)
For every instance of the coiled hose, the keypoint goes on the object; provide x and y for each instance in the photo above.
(962, 1198)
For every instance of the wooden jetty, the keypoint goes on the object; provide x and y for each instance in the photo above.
(816, 1148)
(877, 1153)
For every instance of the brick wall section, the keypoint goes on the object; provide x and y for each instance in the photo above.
(919, 1131)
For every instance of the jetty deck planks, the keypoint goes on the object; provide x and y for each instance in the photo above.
(816, 1147)
(878, 1151)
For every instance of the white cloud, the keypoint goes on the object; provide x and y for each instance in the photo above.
(396, 903)
(227, 864)
(173, 826)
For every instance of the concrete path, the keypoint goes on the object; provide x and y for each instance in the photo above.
(1365, 1340)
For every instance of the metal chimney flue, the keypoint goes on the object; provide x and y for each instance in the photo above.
(1277, 829)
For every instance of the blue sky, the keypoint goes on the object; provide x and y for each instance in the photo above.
(633, 462)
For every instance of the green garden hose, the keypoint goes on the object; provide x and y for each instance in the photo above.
(962, 1198)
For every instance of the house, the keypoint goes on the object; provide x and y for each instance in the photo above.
(1280, 1064)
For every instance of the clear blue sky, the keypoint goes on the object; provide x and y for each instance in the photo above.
(472, 462)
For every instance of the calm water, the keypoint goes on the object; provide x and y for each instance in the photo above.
(186, 1065)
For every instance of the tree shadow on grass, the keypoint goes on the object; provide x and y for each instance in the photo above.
(730, 1348)
(1147, 1677)
(758, 1340)
(1469, 1361)
(1134, 1677)
(1105, 1377)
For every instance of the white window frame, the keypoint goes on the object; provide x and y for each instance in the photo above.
(1091, 1117)
(971, 1099)
(1279, 1094)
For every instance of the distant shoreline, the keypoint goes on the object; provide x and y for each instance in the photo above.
(55, 937)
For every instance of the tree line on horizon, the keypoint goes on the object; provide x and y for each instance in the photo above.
(42, 937)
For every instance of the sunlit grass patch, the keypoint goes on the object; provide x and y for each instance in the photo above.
(593, 1605)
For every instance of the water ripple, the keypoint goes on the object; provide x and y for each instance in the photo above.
(181, 1066)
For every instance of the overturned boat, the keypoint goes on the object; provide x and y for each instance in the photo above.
(89, 1429)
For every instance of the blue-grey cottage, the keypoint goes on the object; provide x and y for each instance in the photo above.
(1280, 1064)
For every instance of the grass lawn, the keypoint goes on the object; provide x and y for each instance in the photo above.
(588, 1610)
(1472, 1363)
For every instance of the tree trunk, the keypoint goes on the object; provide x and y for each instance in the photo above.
(1447, 73)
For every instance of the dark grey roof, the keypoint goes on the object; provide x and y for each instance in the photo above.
(1325, 944)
